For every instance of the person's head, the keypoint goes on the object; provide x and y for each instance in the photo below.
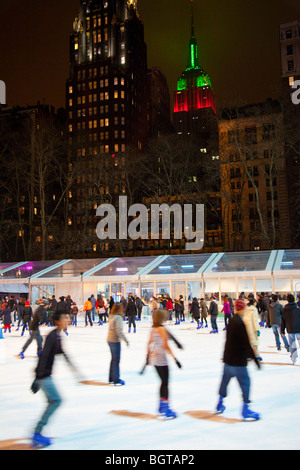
(252, 301)
(61, 320)
(159, 317)
(290, 298)
(117, 309)
(225, 299)
(239, 306)
(274, 297)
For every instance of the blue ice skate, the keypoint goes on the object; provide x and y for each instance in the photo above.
(220, 406)
(41, 441)
(248, 414)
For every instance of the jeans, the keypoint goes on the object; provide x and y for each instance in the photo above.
(131, 321)
(293, 338)
(114, 370)
(241, 373)
(214, 325)
(88, 317)
(54, 401)
(34, 335)
(276, 331)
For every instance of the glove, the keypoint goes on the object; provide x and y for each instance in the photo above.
(35, 386)
(257, 363)
(258, 333)
(178, 363)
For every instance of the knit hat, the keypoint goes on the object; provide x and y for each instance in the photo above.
(239, 305)
(27, 303)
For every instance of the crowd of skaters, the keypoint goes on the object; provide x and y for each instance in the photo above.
(243, 318)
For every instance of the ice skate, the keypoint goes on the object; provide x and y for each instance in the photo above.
(220, 406)
(40, 441)
(248, 414)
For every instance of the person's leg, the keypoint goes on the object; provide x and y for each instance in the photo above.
(114, 371)
(275, 331)
(244, 382)
(54, 401)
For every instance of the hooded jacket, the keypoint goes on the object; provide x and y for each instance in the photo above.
(290, 319)
(274, 314)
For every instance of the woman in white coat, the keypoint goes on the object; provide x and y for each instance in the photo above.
(251, 320)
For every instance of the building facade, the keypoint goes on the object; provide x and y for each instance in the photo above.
(255, 206)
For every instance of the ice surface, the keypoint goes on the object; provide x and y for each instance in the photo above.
(125, 418)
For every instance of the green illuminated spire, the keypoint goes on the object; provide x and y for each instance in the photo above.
(193, 47)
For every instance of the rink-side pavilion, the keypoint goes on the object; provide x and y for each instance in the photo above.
(192, 275)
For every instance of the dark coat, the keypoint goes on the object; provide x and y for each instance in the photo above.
(195, 309)
(130, 309)
(237, 346)
(290, 319)
(27, 314)
(6, 316)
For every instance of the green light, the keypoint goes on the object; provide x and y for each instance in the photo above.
(181, 84)
(203, 80)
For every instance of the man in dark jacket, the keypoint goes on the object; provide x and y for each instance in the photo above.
(26, 316)
(37, 319)
(290, 321)
(43, 379)
(236, 354)
(130, 312)
(274, 315)
(213, 312)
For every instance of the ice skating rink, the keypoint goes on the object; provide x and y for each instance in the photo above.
(96, 417)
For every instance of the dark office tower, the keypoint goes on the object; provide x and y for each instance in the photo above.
(107, 82)
(290, 73)
(158, 104)
(194, 101)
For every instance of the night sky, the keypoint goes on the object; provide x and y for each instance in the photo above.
(238, 43)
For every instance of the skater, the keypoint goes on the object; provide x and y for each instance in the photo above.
(213, 312)
(21, 306)
(154, 305)
(227, 312)
(114, 338)
(93, 302)
(139, 305)
(131, 312)
(43, 379)
(100, 306)
(34, 330)
(52, 310)
(7, 318)
(203, 312)
(195, 311)
(169, 307)
(26, 316)
(236, 354)
(290, 321)
(87, 308)
(178, 310)
(157, 351)
(251, 321)
(74, 313)
(274, 316)
(182, 314)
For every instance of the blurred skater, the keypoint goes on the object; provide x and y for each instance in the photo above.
(43, 379)
(236, 354)
(157, 351)
(37, 319)
(114, 338)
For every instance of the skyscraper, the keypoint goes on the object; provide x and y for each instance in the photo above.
(194, 101)
(106, 86)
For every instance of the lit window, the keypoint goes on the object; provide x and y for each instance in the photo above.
(291, 81)
(123, 60)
